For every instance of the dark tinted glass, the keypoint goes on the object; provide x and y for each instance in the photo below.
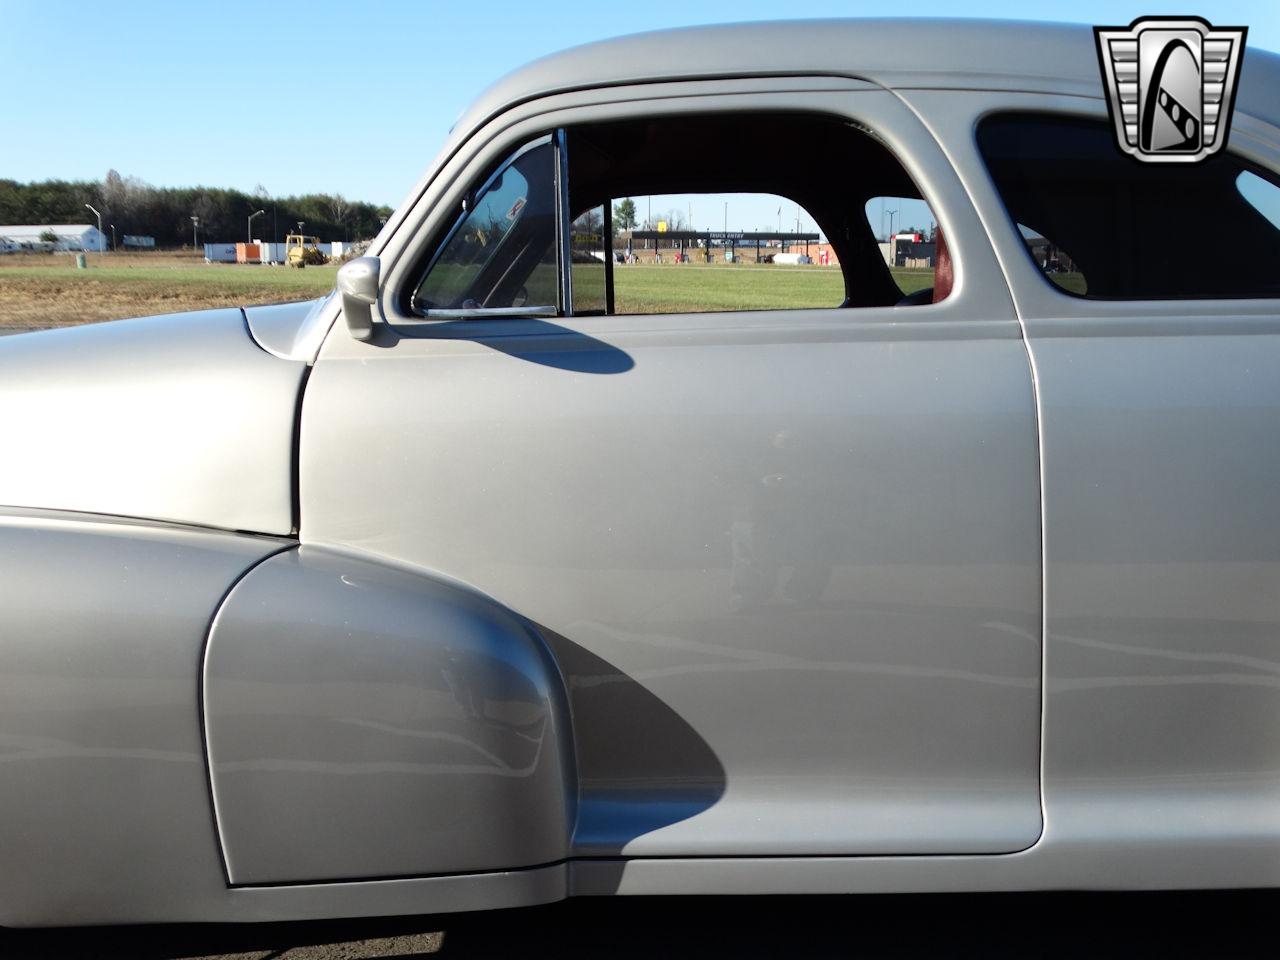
(1134, 230)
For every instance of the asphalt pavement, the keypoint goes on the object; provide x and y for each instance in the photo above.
(1059, 925)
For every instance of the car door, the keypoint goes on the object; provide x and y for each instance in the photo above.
(786, 561)
(1158, 369)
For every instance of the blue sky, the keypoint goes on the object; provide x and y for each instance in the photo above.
(351, 97)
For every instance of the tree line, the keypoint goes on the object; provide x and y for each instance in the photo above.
(138, 208)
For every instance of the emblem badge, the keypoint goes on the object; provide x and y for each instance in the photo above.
(1171, 85)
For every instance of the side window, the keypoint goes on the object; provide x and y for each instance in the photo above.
(719, 213)
(586, 262)
(501, 250)
(908, 236)
(1054, 262)
(729, 221)
(1101, 225)
(765, 246)
(1262, 195)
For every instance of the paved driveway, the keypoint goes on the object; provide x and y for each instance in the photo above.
(1233, 924)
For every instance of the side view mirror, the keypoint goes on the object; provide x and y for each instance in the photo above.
(358, 288)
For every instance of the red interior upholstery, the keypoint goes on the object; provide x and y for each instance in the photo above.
(943, 274)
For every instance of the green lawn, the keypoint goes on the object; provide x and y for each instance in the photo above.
(42, 292)
(689, 287)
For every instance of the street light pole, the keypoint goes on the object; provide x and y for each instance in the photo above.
(195, 227)
(893, 253)
(101, 242)
(249, 227)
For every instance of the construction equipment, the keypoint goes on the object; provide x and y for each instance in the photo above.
(300, 250)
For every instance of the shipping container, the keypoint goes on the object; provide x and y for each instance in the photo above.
(219, 253)
(271, 252)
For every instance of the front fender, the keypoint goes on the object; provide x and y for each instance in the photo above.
(104, 802)
(366, 721)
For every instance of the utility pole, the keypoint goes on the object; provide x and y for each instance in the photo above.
(195, 229)
(249, 227)
(103, 241)
(893, 252)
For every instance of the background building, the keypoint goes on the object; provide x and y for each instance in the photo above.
(52, 236)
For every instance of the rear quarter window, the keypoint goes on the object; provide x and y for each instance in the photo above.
(1108, 227)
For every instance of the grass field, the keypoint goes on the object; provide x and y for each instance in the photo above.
(38, 291)
(690, 288)
(48, 291)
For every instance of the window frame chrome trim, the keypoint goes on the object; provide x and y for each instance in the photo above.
(564, 253)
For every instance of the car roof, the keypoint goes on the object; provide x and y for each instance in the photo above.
(902, 54)
(897, 53)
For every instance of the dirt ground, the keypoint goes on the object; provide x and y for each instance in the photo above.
(38, 291)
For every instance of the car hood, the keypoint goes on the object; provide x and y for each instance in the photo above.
(183, 418)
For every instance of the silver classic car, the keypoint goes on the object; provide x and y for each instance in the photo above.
(490, 579)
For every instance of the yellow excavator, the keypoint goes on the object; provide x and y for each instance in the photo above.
(300, 250)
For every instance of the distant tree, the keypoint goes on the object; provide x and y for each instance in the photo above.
(48, 236)
(590, 222)
(209, 212)
(165, 212)
(624, 214)
(339, 208)
(125, 199)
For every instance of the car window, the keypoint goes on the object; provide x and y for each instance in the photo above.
(735, 212)
(1133, 230)
(907, 234)
(501, 251)
(734, 219)
(764, 252)
(1054, 262)
(586, 259)
(1260, 194)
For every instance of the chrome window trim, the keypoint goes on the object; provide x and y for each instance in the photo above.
(495, 313)
(564, 253)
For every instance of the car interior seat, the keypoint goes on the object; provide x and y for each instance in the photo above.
(943, 276)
